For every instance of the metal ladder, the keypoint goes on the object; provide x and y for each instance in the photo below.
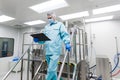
(65, 70)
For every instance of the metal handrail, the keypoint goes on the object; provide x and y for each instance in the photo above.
(62, 65)
(74, 73)
(15, 64)
(37, 70)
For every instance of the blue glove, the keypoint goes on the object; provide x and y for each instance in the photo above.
(36, 39)
(99, 78)
(15, 59)
(41, 42)
(68, 46)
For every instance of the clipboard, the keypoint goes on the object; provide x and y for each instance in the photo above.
(40, 36)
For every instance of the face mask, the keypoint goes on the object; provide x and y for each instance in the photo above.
(51, 21)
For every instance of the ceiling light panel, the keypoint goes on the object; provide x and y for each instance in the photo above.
(34, 22)
(4, 18)
(107, 9)
(49, 5)
(74, 15)
(99, 19)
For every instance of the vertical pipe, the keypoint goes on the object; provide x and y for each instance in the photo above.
(79, 46)
(28, 64)
(86, 45)
(84, 25)
(84, 54)
(18, 40)
(116, 45)
(22, 64)
(91, 43)
(22, 59)
(68, 67)
(72, 42)
(75, 49)
(33, 63)
(66, 24)
(21, 69)
(83, 45)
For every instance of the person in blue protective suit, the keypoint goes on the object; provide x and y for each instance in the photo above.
(57, 32)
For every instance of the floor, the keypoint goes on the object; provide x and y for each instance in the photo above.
(16, 76)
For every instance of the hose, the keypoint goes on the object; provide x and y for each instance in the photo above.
(99, 78)
(115, 59)
(91, 56)
(116, 64)
(92, 67)
(116, 73)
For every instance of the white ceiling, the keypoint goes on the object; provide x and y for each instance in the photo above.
(20, 11)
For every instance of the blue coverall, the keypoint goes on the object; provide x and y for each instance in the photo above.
(58, 34)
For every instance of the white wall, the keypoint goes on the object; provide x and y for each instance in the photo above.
(103, 37)
(8, 32)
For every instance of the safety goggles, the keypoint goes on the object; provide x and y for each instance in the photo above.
(50, 18)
